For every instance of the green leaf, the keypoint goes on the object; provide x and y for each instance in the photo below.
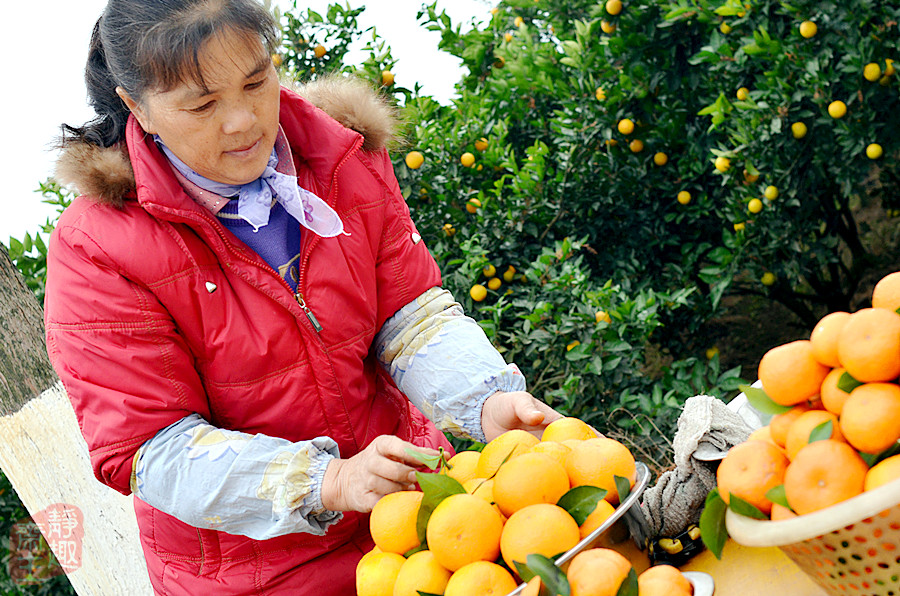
(777, 495)
(431, 461)
(623, 487)
(421, 593)
(847, 383)
(762, 402)
(822, 432)
(712, 523)
(869, 458)
(581, 501)
(524, 571)
(742, 507)
(436, 488)
(629, 585)
(551, 576)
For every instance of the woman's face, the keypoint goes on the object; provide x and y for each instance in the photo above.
(226, 131)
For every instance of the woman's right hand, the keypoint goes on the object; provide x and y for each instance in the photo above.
(384, 467)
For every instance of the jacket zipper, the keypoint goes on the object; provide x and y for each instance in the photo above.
(308, 311)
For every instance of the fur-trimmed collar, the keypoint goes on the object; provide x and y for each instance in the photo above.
(106, 175)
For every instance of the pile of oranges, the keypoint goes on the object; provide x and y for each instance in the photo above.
(508, 511)
(840, 434)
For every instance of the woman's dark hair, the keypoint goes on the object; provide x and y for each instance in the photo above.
(143, 45)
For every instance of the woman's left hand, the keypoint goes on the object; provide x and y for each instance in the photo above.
(508, 410)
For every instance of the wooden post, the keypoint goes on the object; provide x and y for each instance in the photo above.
(44, 455)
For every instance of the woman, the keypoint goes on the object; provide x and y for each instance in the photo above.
(239, 307)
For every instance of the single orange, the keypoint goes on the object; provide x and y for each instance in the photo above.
(480, 577)
(780, 512)
(887, 292)
(421, 573)
(376, 574)
(883, 472)
(763, 433)
(798, 433)
(780, 423)
(596, 518)
(749, 471)
(870, 419)
(544, 529)
(393, 521)
(833, 397)
(597, 572)
(503, 448)
(869, 345)
(464, 528)
(462, 465)
(664, 580)
(568, 428)
(824, 338)
(529, 479)
(596, 462)
(790, 374)
(823, 474)
(557, 451)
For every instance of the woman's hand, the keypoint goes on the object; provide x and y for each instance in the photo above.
(507, 410)
(384, 467)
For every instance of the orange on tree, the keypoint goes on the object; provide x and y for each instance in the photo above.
(750, 178)
(870, 419)
(837, 109)
(596, 518)
(749, 471)
(823, 474)
(824, 337)
(790, 374)
(482, 578)
(663, 580)
(509, 274)
(833, 397)
(464, 528)
(462, 465)
(387, 78)
(869, 345)
(723, 164)
(568, 427)
(742, 94)
(636, 146)
(874, 151)
(489, 270)
(467, 160)
(478, 292)
(768, 278)
(503, 448)
(725, 28)
(481, 144)
(754, 206)
(393, 521)
(596, 462)
(320, 51)
(472, 205)
(494, 283)
(421, 573)
(376, 574)
(799, 432)
(544, 529)
(607, 27)
(597, 572)
(660, 158)
(614, 7)
(684, 197)
(883, 472)
(625, 126)
(414, 160)
(887, 292)
(799, 130)
(602, 315)
(808, 29)
(872, 72)
(529, 479)
(771, 192)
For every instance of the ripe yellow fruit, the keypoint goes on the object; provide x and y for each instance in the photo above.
(660, 159)
(277, 60)
(754, 206)
(625, 126)
(742, 94)
(607, 27)
(750, 178)
(478, 292)
(508, 37)
(837, 109)
(503, 448)
(596, 518)
(874, 151)
(462, 529)
(596, 462)
(872, 72)
(684, 197)
(889, 69)
(509, 274)
(543, 528)
(725, 28)
(489, 270)
(739, 227)
(790, 374)
(723, 164)
(600, 94)
(467, 160)
(636, 146)
(614, 7)
(768, 278)
(472, 205)
(449, 230)
(771, 193)
(529, 479)
(495, 283)
(518, 22)
(376, 574)
(421, 573)
(387, 78)
(597, 571)
(481, 577)
(481, 144)
(393, 521)
(462, 466)
(414, 160)
(320, 51)
(573, 345)
(602, 316)
(567, 428)
(883, 472)
(808, 29)
(712, 352)
(799, 130)
(887, 292)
